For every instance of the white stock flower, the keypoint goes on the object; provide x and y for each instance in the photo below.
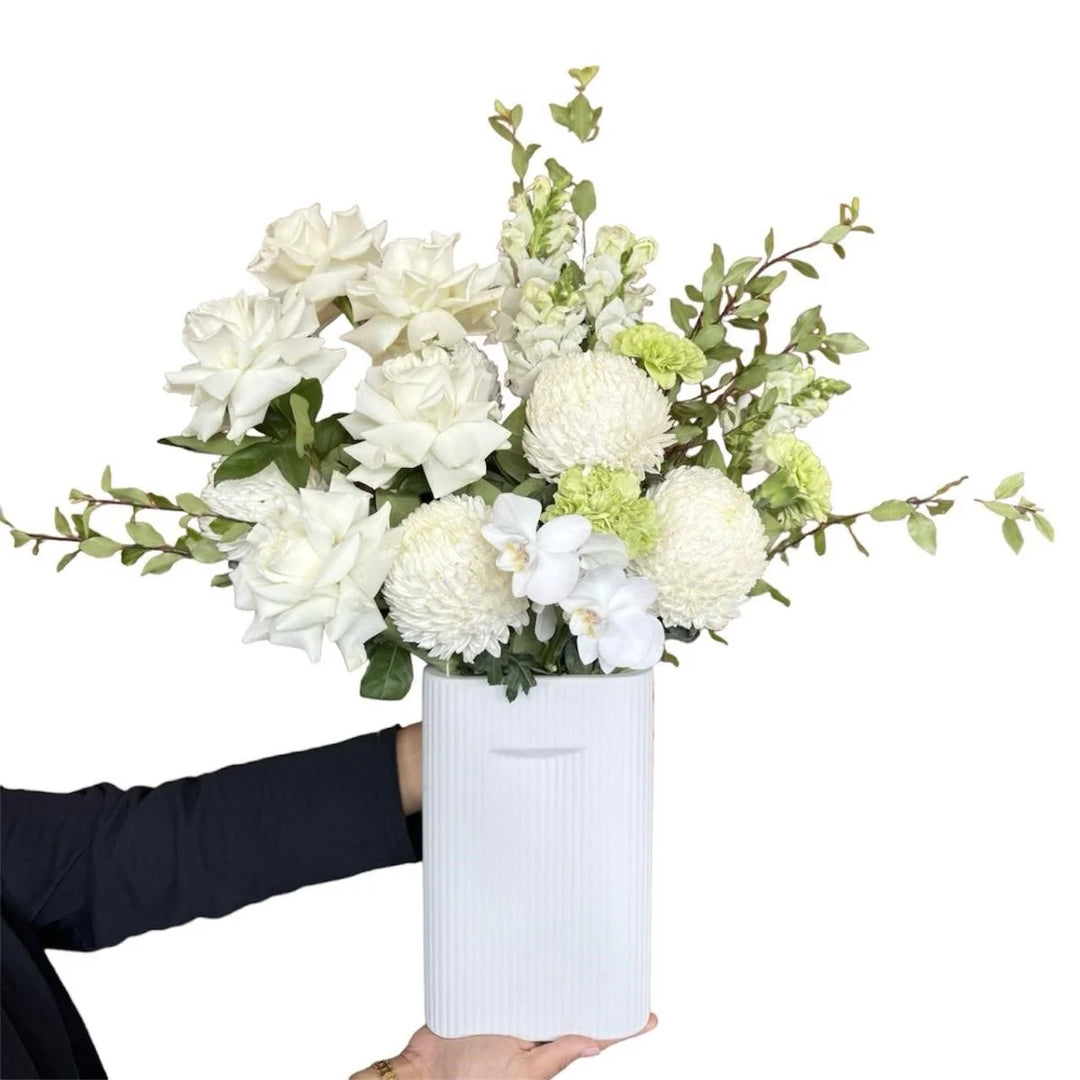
(437, 410)
(544, 225)
(536, 321)
(545, 560)
(444, 590)
(787, 416)
(315, 569)
(596, 409)
(612, 318)
(322, 259)
(609, 615)
(711, 549)
(248, 350)
(416, 297)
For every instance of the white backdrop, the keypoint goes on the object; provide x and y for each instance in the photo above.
(867, 808)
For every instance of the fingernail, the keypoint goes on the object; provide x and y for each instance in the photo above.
(590, 1051)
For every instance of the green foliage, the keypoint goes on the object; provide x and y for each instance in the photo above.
(923, 531)
(578, 115)
(516, 673)
(389, 673)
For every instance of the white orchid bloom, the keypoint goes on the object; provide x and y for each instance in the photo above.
(544, 559)
(609, 615)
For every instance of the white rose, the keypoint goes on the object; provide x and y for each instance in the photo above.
(315, 569)
(437, 410)
(322, 259)
(248, 350)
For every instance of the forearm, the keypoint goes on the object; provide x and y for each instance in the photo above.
(409, 768)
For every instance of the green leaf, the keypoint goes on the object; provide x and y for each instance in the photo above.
(144, 534)
(389, 673)
(247, 461)
(710, 336)
(329, 435)
(752, 309)
(101, 547)
(683, 315)
(584, 75)
(716, 637)
(560, 177)
(132, 495)
(942, 506)
(803, 268)
(65, 559)
(4, 520)
(217, 444)
(513, 465)
(129, 556)
(498, 125)
(584, 199)
(819, 542)
(769, 239)
(401, 506)
(891, 510)
(712, 282)
(763, 588)
(294, 467)
(835, 234)
(738, 271)
(951, 484)
(1043, 526)
(580, 117)
(533, 487)
(1009, 486)
(221, 581)
(520, 156)
(484, 489)
(923, 531)
(305, 429)
(160, 563)
(19, 537)
(204, 550)
(711, 456)
(1002, 508)
(62, 523)
(106, 479)
(846, 343)
(1013, 536)
(192, 504)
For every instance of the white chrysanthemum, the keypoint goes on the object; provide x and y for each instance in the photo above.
(596, 409)
(438, 410)
(315, 570)
(415, 297)
(248, 350)
(711, 549)
(322, 259)
(445, 592)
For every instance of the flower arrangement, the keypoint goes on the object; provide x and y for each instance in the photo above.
(635, 493)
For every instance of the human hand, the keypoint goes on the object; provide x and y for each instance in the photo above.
(491, 1057)
(409, 757)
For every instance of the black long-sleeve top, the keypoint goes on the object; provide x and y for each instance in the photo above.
(88, 869)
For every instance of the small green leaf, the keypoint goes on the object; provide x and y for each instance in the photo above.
(101, 547)
(129, 556)
(923, 531)
(846, 343)
(803, 268)
(762, 588)
(246, 462)
(769, 239)
(220, 581)
(583, 199)
(61, 523)
(835, 234)
(1013, 536)
(1009, 486)
(19, 537)
(739, 270)
(711, 456)
(204, 550)
(132, 495)
(401, 506)
(305, 429)
(144, 534)
(4, 520)
(712, 282)
(1002, 508)
(160, 563)
(710, 336)
(192, 504)
(584, 75)
(752, 309)
(683, 315)
(1043, 526)
(218, 445)
(65, 559)
(106, 479)
(819, 542)
(389, 674)
(512, 465)
(520, 156)
(941, 506)
(891, 510)
(532, 487)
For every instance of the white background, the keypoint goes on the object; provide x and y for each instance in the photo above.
(867, 808)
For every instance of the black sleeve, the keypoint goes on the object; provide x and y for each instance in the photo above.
(96, 866)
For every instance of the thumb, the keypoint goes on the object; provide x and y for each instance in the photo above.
(551, 1058)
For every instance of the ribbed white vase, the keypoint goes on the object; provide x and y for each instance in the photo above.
(537, 856)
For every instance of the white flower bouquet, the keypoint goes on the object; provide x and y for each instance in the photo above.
(635, 492)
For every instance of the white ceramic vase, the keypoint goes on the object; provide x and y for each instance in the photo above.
(537, 856)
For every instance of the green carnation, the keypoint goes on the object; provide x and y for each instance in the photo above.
(666, 355)
(798, 468)
(611, 499)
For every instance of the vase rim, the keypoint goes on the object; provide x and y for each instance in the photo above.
(431, 671)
